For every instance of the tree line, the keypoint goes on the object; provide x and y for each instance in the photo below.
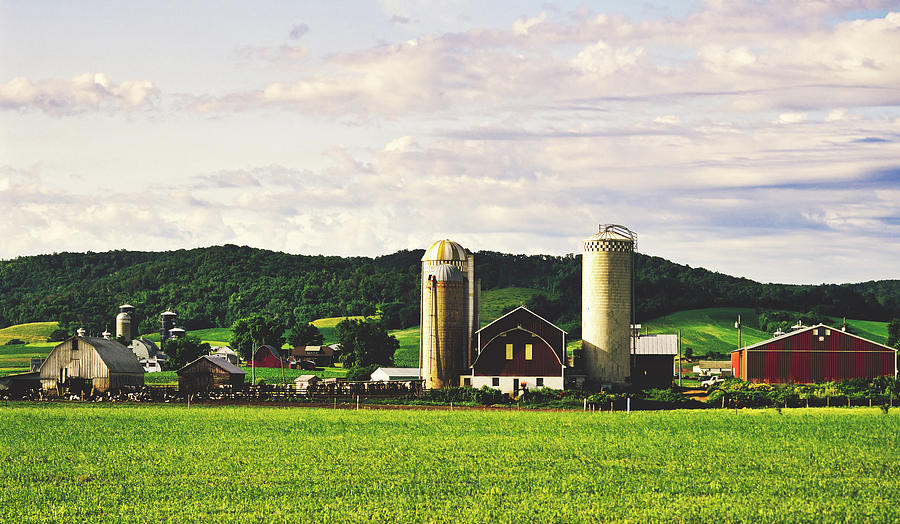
(216, 286)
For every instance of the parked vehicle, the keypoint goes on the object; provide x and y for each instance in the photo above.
(712, 381)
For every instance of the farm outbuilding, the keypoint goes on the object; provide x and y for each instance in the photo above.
(392, 374)
(86, 363)
(148, 354)
(812, 355)
(518, 350)
(268, 357)
(318, 355)
(208, 372)
(653, 360)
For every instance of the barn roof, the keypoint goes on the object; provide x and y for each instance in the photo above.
(275, 352)
(118, 358)
(220, 362)
(656, 345)
(807, 329)
(400, 373)
(519, 310)
(143, 348)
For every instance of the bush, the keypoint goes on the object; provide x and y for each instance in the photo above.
(16, 342)
(58, 335)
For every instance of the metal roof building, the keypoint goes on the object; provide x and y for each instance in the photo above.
(209, 372)
(812, 355)
(86, 363)
(653, 360)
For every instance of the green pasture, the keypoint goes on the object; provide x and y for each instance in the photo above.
(870, 329)
(407, 355)
(270, 375)
(31, 332)
(495, 301)
(17, 358)
(712, 329)
(164, 463)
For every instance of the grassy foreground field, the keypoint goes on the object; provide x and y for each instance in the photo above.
(80, 463)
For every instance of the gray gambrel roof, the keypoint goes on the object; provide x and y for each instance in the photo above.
(118, 358)
(220, 362)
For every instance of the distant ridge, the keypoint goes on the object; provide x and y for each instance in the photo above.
(213, 286)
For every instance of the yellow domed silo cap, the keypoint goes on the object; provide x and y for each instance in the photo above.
(445, 250)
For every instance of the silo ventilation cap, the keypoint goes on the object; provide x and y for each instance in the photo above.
(447, 273)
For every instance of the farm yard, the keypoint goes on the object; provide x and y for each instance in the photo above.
(132, 463)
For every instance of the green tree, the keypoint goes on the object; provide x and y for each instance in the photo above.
(894, 332)
(58, 335)
(251, 332)
(185, 349)
(365, 344)
(304, 334)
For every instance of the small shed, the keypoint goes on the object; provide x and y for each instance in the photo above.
(708, 368)
(208, 372)
(268, 357)
(389, 374)
(319, 355)
(85, 363)
(305, 382)
(19, 384)
(653, 360)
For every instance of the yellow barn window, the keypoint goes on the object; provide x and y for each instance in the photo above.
(509, 352)
(529, 352)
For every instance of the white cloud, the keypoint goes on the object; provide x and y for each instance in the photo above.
(87, 92)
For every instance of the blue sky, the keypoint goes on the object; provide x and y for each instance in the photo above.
(759, 139)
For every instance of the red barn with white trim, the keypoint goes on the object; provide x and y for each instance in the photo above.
(812, 355)
(519, 349)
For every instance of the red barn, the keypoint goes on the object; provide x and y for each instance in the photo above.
(811, 355)
(518, 349)
(268, 357)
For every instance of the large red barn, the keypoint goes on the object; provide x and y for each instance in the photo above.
(268, 357)
(812, 355)
(519, 349)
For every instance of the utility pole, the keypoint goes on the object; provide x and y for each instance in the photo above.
(738, 326)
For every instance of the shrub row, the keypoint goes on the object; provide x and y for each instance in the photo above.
(738, 393)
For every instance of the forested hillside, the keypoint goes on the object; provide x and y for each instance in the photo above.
(214, 286)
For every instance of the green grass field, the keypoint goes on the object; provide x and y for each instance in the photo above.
(31, 332)
(495, 301)
(270, 375)
(706, 330)
(134, 463)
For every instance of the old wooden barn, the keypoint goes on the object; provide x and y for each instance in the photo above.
(209, 372)
(811, 355)
(90, 363)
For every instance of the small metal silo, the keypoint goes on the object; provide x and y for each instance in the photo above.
(167, 323)
(125, 322)
(606, 303)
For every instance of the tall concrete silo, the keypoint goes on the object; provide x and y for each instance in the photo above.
(444, 327)
(125, 322)
(606, 303)
(448, 252)
(167, 323)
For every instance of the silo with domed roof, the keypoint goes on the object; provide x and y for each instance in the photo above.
(452, 255)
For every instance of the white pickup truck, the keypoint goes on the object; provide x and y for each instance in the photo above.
(711, 381)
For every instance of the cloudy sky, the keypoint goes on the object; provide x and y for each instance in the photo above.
(759, 139)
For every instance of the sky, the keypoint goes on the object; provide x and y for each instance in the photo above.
(758, 139)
